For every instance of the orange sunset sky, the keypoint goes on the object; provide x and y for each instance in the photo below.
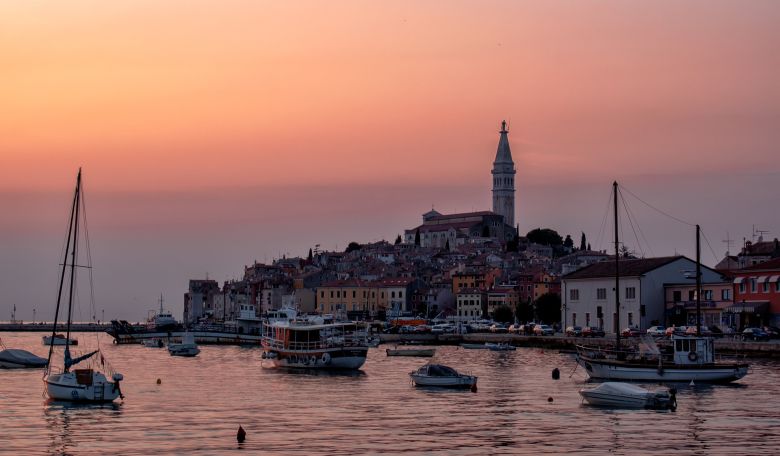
(213, 134)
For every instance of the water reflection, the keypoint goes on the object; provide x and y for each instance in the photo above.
(67, 421)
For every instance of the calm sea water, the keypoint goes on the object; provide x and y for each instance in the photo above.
(201, 402)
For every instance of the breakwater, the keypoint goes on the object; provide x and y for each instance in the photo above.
(46, 327)
(724, 346)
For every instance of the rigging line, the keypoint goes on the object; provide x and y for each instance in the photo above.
(638, 227)
(714, 255)
(603, 223)
(656, 209)
(630, 222)
(93, 308)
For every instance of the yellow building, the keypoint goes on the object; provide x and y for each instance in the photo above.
(351, 296)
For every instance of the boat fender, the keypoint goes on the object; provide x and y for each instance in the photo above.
(673, 399)
(473, 387)
(313, 360)
(693, 356)
(556, 374)
(326, 358)
(263, 355)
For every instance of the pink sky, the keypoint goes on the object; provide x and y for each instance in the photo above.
(212, 135)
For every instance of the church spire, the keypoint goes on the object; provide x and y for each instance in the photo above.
(503, 154)
(504, 179)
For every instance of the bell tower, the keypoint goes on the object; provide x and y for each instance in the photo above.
(504, 179)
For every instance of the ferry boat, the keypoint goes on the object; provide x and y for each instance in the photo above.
(162, 320)
(310, 343)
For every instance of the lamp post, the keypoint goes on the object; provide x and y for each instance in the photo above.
(33, 315)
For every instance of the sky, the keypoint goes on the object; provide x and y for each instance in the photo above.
(212, 135)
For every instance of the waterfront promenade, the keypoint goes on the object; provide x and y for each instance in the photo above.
(46, 327)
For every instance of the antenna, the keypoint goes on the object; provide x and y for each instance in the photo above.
(760, 233)
(729, 242)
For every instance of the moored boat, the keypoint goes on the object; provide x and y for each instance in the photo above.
(187, 347)
(59, 339)
(500, 347)
(310, 344)
(421, 352)
(626, 395)
(14, 358)
(442, 376)
(474, 346)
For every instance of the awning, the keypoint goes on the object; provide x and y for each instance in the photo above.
(739, 280)
(774, 279)
(748, 307)
(762, 279)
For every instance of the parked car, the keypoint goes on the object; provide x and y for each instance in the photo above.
(543, 330)
(691, 331)
(630, 332)
(498, 328)
(575, 331)
(754, 334)
(592, 331)
(772, 331)
(406, 329)
(443, 328)
(422, 329)
(677, 330)
(656, 330)
(515, 329)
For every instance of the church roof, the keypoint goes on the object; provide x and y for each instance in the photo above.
(503, 154)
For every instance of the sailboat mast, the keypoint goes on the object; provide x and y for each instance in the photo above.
(617, 273)
(698, 281)
(62, 275)
(73, 259)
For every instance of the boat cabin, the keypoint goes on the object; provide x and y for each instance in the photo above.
(693, 350)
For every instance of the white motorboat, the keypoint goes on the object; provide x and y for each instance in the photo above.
(500, 347)
(13, 358)
(422, 352)
(627, 395)
(59, 339)
(153, 343)
(86, 384)
(443, 376)
(187, 347)
(474, 346)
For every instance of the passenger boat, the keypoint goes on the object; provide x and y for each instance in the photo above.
(442, 376)
(58, 339)
(87, 384)
(626, 395)
(153, 343)
(162, 320)
(309, 343)
(187, 347)
(422, 352)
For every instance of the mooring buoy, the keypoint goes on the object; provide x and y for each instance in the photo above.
(556, 374)
(241, 435)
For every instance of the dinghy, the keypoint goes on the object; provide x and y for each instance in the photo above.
(627, 395)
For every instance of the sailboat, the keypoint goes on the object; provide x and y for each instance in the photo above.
(67, 384)
(692, 359)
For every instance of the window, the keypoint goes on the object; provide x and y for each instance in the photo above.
(630, 319)
(574, 319)
(742, 287)
(587, 319)
(753, 285)
(574, 294)
(400, 294)
(691, 295)
(599, 313)
(630, 293)
(725, 294)
(322, 294)
(766, 287)
(707, 295)
(601, 294)
(392, 294)
(354, 293)
(677, 296)
(331, 294)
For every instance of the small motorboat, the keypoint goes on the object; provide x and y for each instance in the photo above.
(474, 346)
(443, 376)
(59, 339)
(13, 358)
(187, 347)
(422, 352)
(627, 395)
(153, 343)
(500, 347)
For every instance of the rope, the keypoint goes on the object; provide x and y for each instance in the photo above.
(600, 237)
(631, 222)
(656, 209)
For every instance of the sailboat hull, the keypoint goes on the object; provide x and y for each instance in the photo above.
(617, 370)
(71, 387)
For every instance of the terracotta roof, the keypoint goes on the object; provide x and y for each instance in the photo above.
(627, 268)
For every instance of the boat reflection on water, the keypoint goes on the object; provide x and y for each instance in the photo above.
(63, 418)
(357, 373)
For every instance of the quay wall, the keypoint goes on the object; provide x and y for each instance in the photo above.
(724, 346)
(61, 327)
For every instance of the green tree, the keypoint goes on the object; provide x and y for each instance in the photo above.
(568, 242)
(524, 311)
(503, 314)
(352, 247)
(447, 245)
(583, 244)
(545, 236)
(485, 231)
(417, 237)
(398, 240)
(513, 244)
(548, 308)
(311, 256)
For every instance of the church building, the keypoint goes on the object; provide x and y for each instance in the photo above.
(437, 230)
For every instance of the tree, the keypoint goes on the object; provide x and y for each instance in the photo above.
(545, 236)
(548, 308)
(485, 231)
(417, 237)
(398, 240)
(447, 245)
(524, 311)
(568, 242)
(513, 244)
(588, 245)
(503, 314)
(583, 244)
(625, 252)
(311, 256)
(352, 247)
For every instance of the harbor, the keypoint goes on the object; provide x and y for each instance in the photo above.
(200, 402)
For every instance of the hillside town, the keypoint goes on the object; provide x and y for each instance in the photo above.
(476, 266)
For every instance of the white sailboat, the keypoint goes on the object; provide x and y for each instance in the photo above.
(86, 384)
(187, 347)
(692, 359)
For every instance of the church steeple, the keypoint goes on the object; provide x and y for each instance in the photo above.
(504, 179)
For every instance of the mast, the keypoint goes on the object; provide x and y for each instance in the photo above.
(617, 272)
(698, 281)
(73, 263)
(62, 275)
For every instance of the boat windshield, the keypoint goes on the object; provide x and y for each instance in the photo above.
(437, 370)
